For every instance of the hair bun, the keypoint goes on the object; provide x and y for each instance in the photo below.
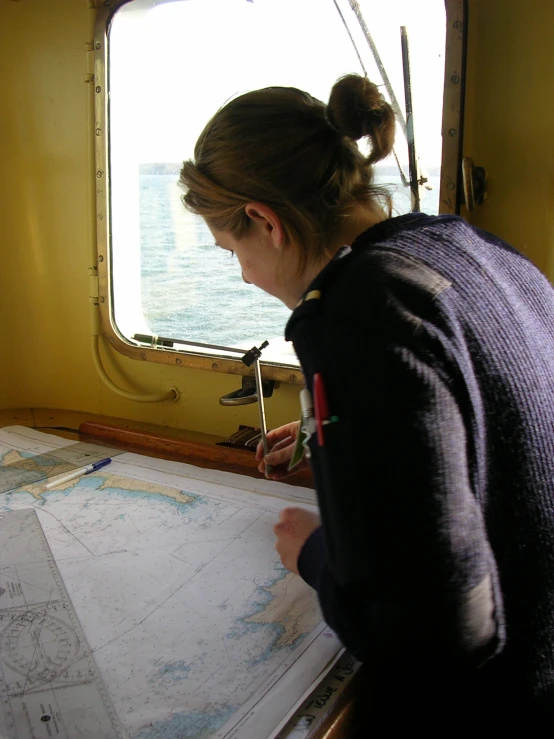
(357, 109)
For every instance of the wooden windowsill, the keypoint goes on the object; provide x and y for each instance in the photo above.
(177, 445)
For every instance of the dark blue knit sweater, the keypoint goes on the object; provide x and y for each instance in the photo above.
(435, 561)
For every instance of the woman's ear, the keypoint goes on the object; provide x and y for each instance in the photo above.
(268, 223)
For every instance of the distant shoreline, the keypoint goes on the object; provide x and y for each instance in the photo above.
(170, 168)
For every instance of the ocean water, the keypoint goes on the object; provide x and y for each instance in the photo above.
(193, 290)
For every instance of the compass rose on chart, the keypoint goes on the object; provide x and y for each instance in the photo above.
(37, 646)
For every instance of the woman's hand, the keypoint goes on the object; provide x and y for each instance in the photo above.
(293, 528)
(281, 442)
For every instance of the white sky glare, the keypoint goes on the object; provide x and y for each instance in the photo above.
(174, 64)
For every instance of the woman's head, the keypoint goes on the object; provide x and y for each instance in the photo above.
(282, 148)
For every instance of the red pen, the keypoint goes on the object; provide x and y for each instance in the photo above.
(320, 406)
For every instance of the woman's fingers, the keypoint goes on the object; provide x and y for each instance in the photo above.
(276, 436)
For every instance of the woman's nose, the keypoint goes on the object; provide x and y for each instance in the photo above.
(245, 280)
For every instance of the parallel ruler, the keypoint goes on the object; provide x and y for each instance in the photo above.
(49, 682)
(39, 467)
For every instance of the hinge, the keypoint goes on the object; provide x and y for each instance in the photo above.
(89, 62)
(93, 289)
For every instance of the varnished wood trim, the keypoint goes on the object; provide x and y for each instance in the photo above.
(202, 455)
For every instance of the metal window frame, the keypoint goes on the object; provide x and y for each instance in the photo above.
(449, 199)
(451, 190)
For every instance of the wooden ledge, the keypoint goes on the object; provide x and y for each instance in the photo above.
(178, 449)
(178, 445)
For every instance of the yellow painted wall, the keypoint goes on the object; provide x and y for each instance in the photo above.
(509, 127)
(47, 238)
(46, 201)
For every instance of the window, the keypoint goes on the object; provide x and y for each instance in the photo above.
(168, 66)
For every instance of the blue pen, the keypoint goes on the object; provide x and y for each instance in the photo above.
(78, 473)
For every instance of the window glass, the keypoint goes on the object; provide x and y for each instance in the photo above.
(171, 66)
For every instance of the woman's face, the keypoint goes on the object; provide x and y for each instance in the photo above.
(256, 263)
(264, 259)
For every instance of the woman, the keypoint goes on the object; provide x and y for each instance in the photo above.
(428, 347)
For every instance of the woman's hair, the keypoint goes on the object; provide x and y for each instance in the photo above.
(282, 147)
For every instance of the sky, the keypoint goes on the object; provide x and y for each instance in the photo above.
(173, 64)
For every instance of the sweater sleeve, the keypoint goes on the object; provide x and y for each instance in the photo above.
(402, 564)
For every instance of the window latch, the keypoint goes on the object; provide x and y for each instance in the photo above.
(474, 180)
(248, 392)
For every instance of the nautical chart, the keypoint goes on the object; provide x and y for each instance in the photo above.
(197, 630)
(50, 683)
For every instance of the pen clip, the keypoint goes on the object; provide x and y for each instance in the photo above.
(321, 408)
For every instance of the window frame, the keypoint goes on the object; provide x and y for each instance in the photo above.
(450, 196)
